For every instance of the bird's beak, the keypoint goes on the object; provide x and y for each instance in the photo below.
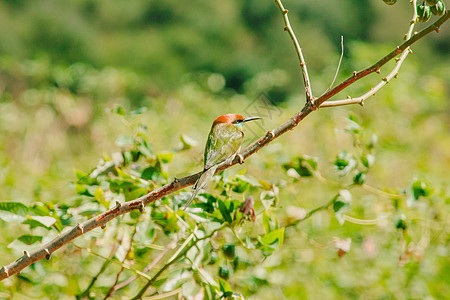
(251, 119)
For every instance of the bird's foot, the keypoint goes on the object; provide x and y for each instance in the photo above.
(240, 158)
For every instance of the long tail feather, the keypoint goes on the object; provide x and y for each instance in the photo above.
(201, 183)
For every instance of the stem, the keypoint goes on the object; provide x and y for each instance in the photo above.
(298, 50)
(173, 259)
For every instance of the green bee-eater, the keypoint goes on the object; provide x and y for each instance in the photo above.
(224, 141)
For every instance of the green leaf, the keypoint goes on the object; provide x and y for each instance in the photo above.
(303, 165)
(341, 204)
(139, 111)
(152, 173)
(13, 212)
(249, 179)
(82, 190)
(367, 160)
(188, 142)
(353, 125)
(118, 110)
(239, 185)
(421, 189)
(80, 174)
(268, 199)
(123, 175)
(270, 222)
(30, 239)
(165, 157)
(359, 178)
(124, 140)
(344, 163)
(40, 221)
(224, 211)
(274, 239)
(224, 272)
(225, 288)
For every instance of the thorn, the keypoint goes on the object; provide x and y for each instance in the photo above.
(285, 11)
(5, 269)
(396, 75)
(302, 64)
(286, 28)
(102, 226)
(349, 98)
(436, 28)
(405, 37)
(118, 204)
(47, 255)
(378, 71)
(142, 208)
(354, 73)
(410, 51)
(397, 59)
(362, 102)
(81, 228)
(415, 33)
(176, 180)
(399, 50)
(26, 253)
(385, 80)
(270, 134)
(240, 158)
(314, 104)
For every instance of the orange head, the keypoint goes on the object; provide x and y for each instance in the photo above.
(233, 119)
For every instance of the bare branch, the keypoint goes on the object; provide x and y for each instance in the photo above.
(338, 67)
(177, 184)
(375, 67)
(309, 96)
(393, 74)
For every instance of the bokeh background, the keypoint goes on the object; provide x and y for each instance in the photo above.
(67, 66)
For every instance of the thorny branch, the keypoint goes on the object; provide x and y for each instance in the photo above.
(122, 208)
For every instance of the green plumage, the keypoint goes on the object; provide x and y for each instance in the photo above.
(224, 141)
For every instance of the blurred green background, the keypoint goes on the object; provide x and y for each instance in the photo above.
(66, 65)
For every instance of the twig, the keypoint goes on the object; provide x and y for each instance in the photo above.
(165, 295)
(380, 192)
(309, 96)
(85, 294)
(393, 74)
(171, 245)
(338, 66)
(177, 184)
(174, 259)
(413, 37)
(130, 246)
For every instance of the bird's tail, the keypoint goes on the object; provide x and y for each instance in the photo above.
(201, 183)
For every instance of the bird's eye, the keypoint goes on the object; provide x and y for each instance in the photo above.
(237, 121)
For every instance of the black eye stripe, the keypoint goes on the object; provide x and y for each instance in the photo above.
(237, 121)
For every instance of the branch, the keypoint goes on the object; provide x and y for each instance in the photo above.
(177, 184)
(298, 50)
(376, 67)
(179, 254)
(85, 294)
(393, 74)
(127, 254)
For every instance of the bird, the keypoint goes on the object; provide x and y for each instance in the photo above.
(224, 142)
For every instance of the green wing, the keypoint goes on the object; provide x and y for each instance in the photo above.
(224, 141)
